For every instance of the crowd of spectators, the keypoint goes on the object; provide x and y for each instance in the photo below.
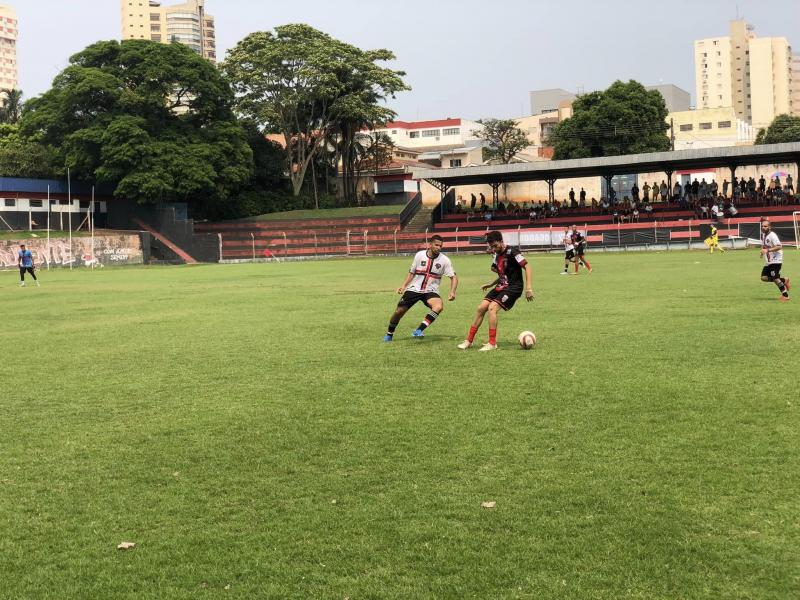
(705, 199)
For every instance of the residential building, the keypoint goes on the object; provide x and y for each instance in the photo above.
(443, 143)
(9, 31)
(751, 74)
(710, 128)
(547, 101)
(187, 23)
(796, 85)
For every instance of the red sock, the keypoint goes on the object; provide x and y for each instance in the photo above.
(576, 266)
(493, 337)
(586, 264)
(472, 333)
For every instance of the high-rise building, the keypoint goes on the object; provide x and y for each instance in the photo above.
(796, 85)
(751, 74)
(187, 23)
(9, 30)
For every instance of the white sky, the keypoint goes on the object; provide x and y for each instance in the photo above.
(464, 58)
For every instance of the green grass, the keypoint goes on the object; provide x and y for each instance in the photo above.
(245, 426)
(27, 235)
(332, 213)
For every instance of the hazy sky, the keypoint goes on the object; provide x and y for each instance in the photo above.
(463, 58)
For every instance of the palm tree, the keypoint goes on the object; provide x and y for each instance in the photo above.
(11, 107)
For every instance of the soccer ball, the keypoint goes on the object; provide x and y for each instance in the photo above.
(527, 340)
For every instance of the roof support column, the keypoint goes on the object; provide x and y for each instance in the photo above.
(609, 189)
(443, 189)
(495, 194)
(551, 189)
(669, 184)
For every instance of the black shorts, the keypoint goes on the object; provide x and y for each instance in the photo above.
(580, 250)
(505, 298)
(409, 299)
(772, 271)
(569, 255)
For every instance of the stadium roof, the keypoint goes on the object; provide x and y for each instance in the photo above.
(616, 165)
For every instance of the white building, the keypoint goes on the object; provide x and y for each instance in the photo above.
(9, 31)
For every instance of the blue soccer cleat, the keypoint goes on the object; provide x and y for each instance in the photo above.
(418, 333)
(387, 338)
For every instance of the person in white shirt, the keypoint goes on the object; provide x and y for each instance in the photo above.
(569, 252)
(422, 285)
(772, 251)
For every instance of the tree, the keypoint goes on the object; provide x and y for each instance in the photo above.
(503, 138)
(302, 83)
(783, 129)
(624, 119)
(10, 106)
(20, 157)
(153, 120)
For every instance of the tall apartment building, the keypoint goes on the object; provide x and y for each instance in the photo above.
(187, 23)
(796, 85)
(751, 74)
(9, 76)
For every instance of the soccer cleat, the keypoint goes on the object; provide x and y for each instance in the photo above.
(22, 284)
(487, 347)
(783, 298)
(418, 333)
(590, 270)
(573, 273)
(563, 273)
(465, 344)
(37, 283)
(387, 338)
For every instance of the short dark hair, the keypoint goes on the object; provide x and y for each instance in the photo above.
(494, 236)
(434, 238)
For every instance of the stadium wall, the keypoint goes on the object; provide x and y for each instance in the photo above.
(109, 250)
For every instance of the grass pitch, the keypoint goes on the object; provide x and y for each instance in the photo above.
(247, 428)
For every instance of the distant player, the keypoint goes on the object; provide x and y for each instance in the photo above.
(509, 264)
(422, 285)
(26, 265)
(772, 251)
(579, 244)
(712, 241)
(569, 253)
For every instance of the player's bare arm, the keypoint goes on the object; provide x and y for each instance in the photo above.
(529, 282)
(405, 283)
(453, 288)
(490, 285)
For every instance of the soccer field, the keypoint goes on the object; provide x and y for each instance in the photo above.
(248, 429)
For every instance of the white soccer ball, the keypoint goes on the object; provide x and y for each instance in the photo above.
(527, 340)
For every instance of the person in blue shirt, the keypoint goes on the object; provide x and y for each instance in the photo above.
(26, 265)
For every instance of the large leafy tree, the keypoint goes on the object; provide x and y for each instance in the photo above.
(783, 129)
(624, 119)
(303, 83)
(504, 140)
(153, 120)
(20, 157)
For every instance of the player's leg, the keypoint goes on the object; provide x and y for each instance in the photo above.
(22, 277)
(436, 307)
(394, 321)
(566, 264)
(494, 309)
(586, 263)
(476, 324)
(32, 271)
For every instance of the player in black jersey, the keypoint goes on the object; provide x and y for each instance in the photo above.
(579, 241)
(509, 264)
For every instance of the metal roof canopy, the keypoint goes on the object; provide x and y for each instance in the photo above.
(655, 162)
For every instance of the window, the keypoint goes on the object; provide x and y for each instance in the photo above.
(705, 125)
(36, 204)
(724, 124)
(452, 131)
(456, 162)
(84, 204)
(413, 134)
(431, 133)
(11, 202)
(154, 17)
(394, 131)
(688, 127)
(155, 38)
(156, 28)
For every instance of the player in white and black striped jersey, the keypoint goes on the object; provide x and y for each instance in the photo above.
(422, 285)
(772, 251)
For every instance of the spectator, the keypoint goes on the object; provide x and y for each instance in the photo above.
(648, 208)
(732, 210)
(735, 188)
(646, 192)
(473, 201)
(762, 185)
(635, 214)
(790, 184)
(488, 215)
(583, 197)
(483, 203)
(715, 212)
(677, 191)
(713, 188)
(664, 191)
(725, 185)
(572, 196)
(459, 204)
(703, 189)
(743, 187)
(501, 208)
(751, 188)
(605, 204)
(635, 192)
(594, 204)
(695, 190)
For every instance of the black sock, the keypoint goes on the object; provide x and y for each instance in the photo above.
(429, 319)
(392, 327)
(781, 283)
